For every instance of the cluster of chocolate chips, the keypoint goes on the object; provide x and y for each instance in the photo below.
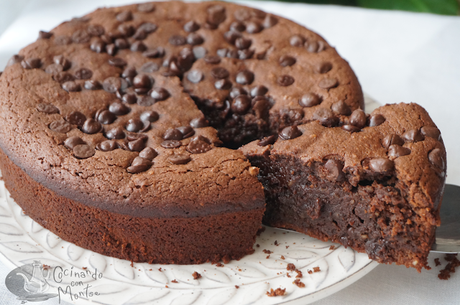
(312, 46)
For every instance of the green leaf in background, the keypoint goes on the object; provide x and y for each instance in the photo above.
(443, 7)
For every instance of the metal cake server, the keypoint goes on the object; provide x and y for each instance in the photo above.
(448, 234)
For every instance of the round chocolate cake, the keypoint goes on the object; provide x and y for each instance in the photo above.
(118, 133)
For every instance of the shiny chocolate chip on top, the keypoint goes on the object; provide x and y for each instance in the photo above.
(199, 145)
(290, 132)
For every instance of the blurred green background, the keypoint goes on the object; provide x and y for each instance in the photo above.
(442, 7)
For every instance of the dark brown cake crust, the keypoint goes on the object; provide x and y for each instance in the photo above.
(377, 189)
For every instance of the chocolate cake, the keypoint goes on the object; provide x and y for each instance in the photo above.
(118, 133)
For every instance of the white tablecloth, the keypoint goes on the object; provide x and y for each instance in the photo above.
(397, 56)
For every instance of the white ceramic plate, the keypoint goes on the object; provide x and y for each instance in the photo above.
(23, 241)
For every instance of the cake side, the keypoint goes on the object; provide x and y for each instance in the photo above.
(374, 188)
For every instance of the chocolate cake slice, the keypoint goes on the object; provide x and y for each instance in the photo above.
(373, 184)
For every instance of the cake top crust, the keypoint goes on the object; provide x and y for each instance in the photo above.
(100, 110)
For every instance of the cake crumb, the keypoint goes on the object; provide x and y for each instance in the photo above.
(166, 286)
(290, 267)
(46, 267)
(268, 256)
(219, 265)
(332, 247)
(298, 283)
(159, 269)
(277, 292)
(253, 171)
(196, 275)
(288, 275)
(287, 247)
(299, 273)
(174, 281)
(257, 245)
(437, 262)
(236, 286)
(150, 269)
(316, 269)
(260, 231)
(282, 257)
(132, 264)
(310, 272)
(267, 251)
(276, 243)
(444, 274)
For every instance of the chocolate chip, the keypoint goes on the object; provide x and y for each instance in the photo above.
(111, 49)
(134, 125)
(287, 61)
(146, 7)
(395, 151)
(155, 53)
(76, 118)
(47, 108)
(149, 116)
(267, 140)
(81, 36)
(117, 62)
(261, 106)
(139, 165)
(15, 59)
(245, 54)
(237, 26)
(115, 133)
(232, 36)
(62, 77)
(436, 157)
(194, 39)
(71, 86)
(179, 159)
(222, 52)
(376, 120)
(328, 83)
(160, 94)
(334, 170)
(93, 85)
(314, 46)
(392, 140)
(83, 151)
(259, 91)
(119, 108)
(44, 35)
(258, 13)
(62, 40)
(91, 126)
(245, 77)
(413, 135)
(136, 145)
(253, 27)
(309, 100)
(195, 76)
(191, 26)
(326, 117)
(97, 45)
(270, 21)
(223, 84)
(129, 72)
(236, 91)
(199, 145)
(146, 101)
(285, 80)
(241, 104)
(148, 27)
(341, 108)
(199, 123)
(323, 67)
(199, 52)
(113, 84)
(129, 98)
(171, 144)
(125, 16)
(351, 128)
(290, 132)
(142, 81)
(172, 134)
(431, 132)
(148, 153)
(243, 43)
(60, 126)
(95, 30)
(31, 63)
(219, 73)
(149, 67)
(177, 40)
(106, 117)
(358, 118)
(54, 69)
(140, 34)
(216, 14)
(121, 44)
(73, 141)
(242, 14)
(381, 166)
(108, 145)
(61, 60)
(186, 131)
(297, 41)
(138, 46)
(83, 73)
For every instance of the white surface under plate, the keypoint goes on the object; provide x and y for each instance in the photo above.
(24, 241)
